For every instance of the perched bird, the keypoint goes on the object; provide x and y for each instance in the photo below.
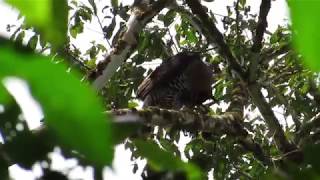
(181, 80)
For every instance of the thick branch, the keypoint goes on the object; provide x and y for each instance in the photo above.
(261, 26)
(274, 126)
(239, 99)
(238, 32)
(272, 89)
(257, 39)
(184, 119)
(228, 123)
(214, 36)
(126, 43)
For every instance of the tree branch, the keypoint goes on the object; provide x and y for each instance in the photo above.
(239, 99)
(126, 43)
(186, 119)
(214, 36)
(271, 54)
(238, 32)
(257, 39)
(261, 26)
(273, 90)
(306, 128)
(274, 126)
(314, 91)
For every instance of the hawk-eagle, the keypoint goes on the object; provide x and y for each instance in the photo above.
(181, 80)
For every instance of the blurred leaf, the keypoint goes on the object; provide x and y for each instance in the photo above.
(49, 174)
(101, 47)
(108, 30)
(114, 3)
(311, 156)
(145, 41)
(191, 36)
(20, 37)
(4, 170)
(168, 18)
(162, 160)
(93, 5)
(76, 29)
(28, 155)
(72, 110)
(3, 94)
(132, 104)
(85, 13)
(33, 41)
(242, 3)
(47, 16)
(123, 130)
(169, 146)
(305, 19)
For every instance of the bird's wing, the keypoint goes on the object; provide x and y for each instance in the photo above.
(168, 70)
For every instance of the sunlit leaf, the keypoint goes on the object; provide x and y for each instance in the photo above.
(49, 17)
(305, 19)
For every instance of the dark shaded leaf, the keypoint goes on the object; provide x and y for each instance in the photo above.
(33, 41)
(161, 160)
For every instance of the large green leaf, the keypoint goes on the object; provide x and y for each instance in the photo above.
(72, 110)
(50, 17)
(305, 19)
(3, 94)
(162, 160)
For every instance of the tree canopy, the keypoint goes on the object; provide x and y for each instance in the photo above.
(262, 123)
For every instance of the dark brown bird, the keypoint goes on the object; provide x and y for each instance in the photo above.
(181, 80)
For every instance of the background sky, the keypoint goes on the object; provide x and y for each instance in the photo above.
(122, 166)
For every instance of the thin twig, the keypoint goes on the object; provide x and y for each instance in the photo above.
(104, 33)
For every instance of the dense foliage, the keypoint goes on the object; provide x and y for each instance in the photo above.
(264, 121)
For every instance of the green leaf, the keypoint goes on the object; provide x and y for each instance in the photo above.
(50, 17)
(85, 13)
(169, 17)
(37, 12)
(33, 41)
(72, 110)
(76, 29)
(93, 5)
(114, 3)
(145, 41)
(191, 36)
(162, 160)
(20, 37)
(108, 30)
(132, 104)
(3, 94)
(242, 3)
(305, 19)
